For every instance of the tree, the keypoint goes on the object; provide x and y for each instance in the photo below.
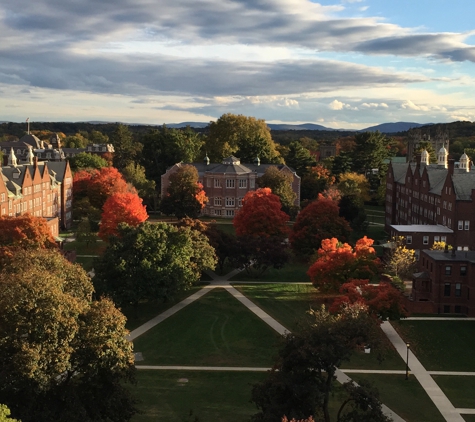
(75, 141)
(354, 184)
(383, 301)
(185, 195)
(400, 261)
(223, 243)
(371, 149)
(135, 175)
(261, 216)
(152, 262)
(280, 183)
(126, 149)
(301, 381)
(317, 221)
(316, 181)
(337, 262)
(84, 232)
(299, 158)
(85, 160)
(63, 356)
(353, 211)
(234, 134)
(5, 413)
(24, 232)
(121, 208)
(440, 246)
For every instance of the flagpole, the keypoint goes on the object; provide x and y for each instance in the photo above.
(28, 121)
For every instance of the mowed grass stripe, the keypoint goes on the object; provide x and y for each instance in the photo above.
(216, 330)
(441, 345)
(460, 390)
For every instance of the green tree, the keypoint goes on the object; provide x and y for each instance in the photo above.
(427, 145)
(185, 196)
(63, 356)
(280, 183)
(299, 158)
(232, 134)
(301, 382)
(353, 211)
(84, 232)
(152, 262)
(135, 175)
(75, 141)
(371, 149)
(84, 160)
(126, 149)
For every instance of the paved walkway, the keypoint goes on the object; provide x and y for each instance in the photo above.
(449, 412)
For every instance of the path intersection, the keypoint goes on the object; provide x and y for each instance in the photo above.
(443, 404)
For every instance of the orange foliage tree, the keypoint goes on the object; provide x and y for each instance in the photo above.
(317, 221)
(121, 208)
(261, 215)
(337, 263)
(24, 232)
(382, 300)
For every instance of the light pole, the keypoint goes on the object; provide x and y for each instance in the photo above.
(407, 360)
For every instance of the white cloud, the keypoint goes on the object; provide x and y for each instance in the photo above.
(336, 105)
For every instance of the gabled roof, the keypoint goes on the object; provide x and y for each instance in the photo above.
(463, 184)
(399, 171)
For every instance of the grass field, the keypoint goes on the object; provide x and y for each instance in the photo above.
(407, 398)
(459, 389)
(293, 272)
(216, 330)
(441, 345)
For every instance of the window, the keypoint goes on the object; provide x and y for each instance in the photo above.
(218, 212)
(3, 197)
(229, 201)
(425, 240)
(208, 182)
(436, 239)
(230, 183)
(463, 270)
(446, 309)
(217, 201)
(458, 309)
(230, 213)
(467, 225)
(460, 224)
(448, 270)
(443, 239)
(444, 205)
(447, 289)
(240, 202)
(458, 289)
(252, 183)
(217, 183)
(450, 206)
(242, 183)
(408, 240)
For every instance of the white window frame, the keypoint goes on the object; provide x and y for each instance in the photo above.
(230, 183)
(230, 201)
(425, 240)
(408, 240)
(217, 201)
(242, 183)
(217, 183)
(467, 225)
(460, 224)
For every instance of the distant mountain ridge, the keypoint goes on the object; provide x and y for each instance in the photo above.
(394, 127)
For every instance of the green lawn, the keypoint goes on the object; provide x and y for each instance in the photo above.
(81, 248)
(459, 389)
(294, 272)
(86, 262)
(441, 345)
(469, 418)
(216, 330)
(211, 396)
(407, 398)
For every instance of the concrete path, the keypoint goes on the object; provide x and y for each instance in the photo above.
(441, 401)
(203, 368)
(438, 319)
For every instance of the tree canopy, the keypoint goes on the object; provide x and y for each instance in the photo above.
(63, 356)
(153, 262)
(315, 181)
(371, 149)
(245, 137)
(126, 149)
(299, 158)
(84, 160)
(280, 183)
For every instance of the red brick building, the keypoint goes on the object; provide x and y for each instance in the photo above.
(438, 196)
(445, 282)
(226, 183)
(42, 189)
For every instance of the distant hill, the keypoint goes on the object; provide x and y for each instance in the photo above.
(303, 126)
(185, 124)
(393, 127)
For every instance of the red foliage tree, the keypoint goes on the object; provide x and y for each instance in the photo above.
(337, 262)
(261, 215)
(24, 232)
(317, 221)
(98, 185)
(121, 208)
(383, 300)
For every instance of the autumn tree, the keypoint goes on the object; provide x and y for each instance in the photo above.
(280, 183)
(5, 413)
(84, 160)
(24, 232)
(440, 246)
(63, 356)
(354, 184)
(301, 382)
(317, 180)
(400, 261)
(317, 221)
(383, 300)
(245, 137)
(121, 208)
(261, 215)
(152, 262)
(126, 148)
(337, 262)
(185, 195)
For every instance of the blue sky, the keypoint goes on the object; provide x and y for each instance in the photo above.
(343, 64)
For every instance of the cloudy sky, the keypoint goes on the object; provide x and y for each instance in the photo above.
(342, 64)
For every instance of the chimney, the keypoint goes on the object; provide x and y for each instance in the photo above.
(451, 165)
(418, 160)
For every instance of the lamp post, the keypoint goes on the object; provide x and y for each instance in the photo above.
(407, 360)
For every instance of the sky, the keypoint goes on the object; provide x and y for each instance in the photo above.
(345, 64)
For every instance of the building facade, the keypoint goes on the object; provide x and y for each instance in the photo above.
(438, 196)
(227, 183)
(42, 189)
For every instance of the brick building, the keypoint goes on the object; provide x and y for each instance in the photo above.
(445, 283)
(42, 189)
(226, 183)
(438, 196)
